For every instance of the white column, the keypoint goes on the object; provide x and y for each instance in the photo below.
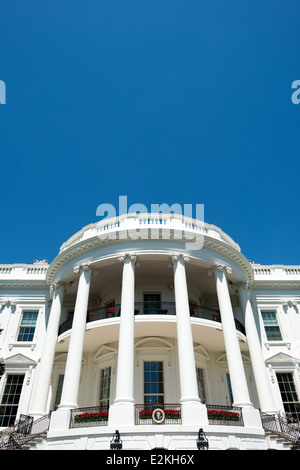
(73, 367)
(42, 383)
(234, 358)
(193, 411)
(122, 410)
(258, 364)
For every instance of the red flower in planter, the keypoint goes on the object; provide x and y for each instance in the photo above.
(223, 415)
(85, 417)
(216, 316)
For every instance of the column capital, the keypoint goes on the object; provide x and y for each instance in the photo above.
(56, 285)
(85, 267)
(177, 256)
(287, 303)
(243, 285)
(60, 284)
(131, 256)
(219, 268)
(7, 303)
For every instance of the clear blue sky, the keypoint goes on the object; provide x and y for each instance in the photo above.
(164, 101)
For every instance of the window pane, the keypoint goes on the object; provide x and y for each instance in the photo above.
(29, 318)
(271, 326)
(10, 400)
(27, 327)
(105, 386)
(273, 333)
(200, 383)
(269, 318)
(229, 388)
(153, 383)
(59, 390)
(289, 394)
(151, 297)
(152, 304)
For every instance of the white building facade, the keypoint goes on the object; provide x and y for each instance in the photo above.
(153, 325)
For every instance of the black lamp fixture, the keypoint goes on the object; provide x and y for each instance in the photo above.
(116, 443)
(202, 441)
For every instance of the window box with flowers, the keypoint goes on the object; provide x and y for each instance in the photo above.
(223, 416)
(111, 311)
(88, 417)
(193, 311)
(216, 317)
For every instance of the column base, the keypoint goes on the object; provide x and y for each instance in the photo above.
(194, 413)
(121, 414)
(270, 411)
(60, 420)
(251, 417)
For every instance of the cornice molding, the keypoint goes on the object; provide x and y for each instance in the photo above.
(276, 285)
(23, 283)
(86, 246)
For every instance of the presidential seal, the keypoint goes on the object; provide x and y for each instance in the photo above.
(158, 415)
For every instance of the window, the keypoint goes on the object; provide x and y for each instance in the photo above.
(10, 400)
(289, 395)
(27, 327)
(105, 387)
(200, 383)
(152, 304)
(229, 389)
(271, 326)
(153, 384)
(70, 315)
(58, 391)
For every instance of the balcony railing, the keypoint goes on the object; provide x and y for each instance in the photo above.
(158, 414)
(168, 413)
(150, 308)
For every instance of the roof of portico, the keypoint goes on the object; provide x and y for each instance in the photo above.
(161, 234)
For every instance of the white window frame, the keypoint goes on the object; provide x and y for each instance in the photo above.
(100, 380)
(201, 362)
(19, 314)
(21, 398)
(269, 343)
(24, 311)
(148, 360)
(203, 368)
(287, 370)
(105, 357)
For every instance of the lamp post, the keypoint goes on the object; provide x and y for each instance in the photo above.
(116, 443)
(202, 441)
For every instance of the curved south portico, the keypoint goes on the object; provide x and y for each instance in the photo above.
(218, 270)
